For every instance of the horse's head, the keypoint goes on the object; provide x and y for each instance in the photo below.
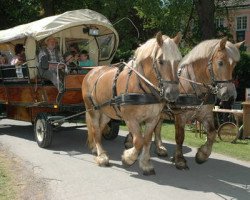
(221, 68)
(165, 58)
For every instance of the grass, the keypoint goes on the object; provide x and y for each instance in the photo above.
(240, 150)
(6, 191)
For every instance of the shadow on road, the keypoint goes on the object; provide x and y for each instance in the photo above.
(221, 177)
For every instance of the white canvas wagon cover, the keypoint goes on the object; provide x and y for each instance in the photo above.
(45, 27)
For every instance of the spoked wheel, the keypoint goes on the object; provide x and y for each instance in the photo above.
(228, 132)
(111, 131)
(43, 130)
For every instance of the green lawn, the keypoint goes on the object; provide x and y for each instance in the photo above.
(240, 150)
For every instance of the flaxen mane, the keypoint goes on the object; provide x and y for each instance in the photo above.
(205, 50)
(149, 48)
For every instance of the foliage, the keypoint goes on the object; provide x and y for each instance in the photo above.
(23, 11)
(242, 73)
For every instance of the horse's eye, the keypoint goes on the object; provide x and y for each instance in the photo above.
(220, 63)
(160, 62)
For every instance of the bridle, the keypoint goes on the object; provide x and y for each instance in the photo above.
(158, 91)
(214, 86)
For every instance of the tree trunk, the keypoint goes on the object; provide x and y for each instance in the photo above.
(205, 10)
(48, 7)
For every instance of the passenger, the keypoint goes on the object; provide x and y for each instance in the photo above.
(70, 62)
(19, 58)
(74, 49)
(49, 58)
(85, 62)
(3, 59)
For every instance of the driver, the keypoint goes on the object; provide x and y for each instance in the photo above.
(49, 59)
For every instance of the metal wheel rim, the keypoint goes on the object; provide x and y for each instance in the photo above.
(40, 130)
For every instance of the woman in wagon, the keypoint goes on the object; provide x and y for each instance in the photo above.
(84, 61)
(49, 58)
(19, 57)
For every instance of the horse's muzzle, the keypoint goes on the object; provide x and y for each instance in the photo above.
(171, 92)
(226, 91)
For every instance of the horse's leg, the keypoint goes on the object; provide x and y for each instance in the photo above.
(179, 160)
(130, 155)
(96, 123)
(128, 143)
(160, 149)
(205, 150)
(145, 163)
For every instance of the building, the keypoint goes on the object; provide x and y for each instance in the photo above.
(235, 15)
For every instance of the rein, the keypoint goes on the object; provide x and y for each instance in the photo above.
(142, 77)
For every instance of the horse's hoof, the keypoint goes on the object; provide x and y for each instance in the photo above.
(149, 172)
(199, 160)
(180, 163)
(161, 152)
(127, 163)
(128, 145)
(102, 160)
(181, 166)
(200, 157)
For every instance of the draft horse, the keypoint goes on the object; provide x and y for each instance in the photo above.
(204, 74)
(111, 92)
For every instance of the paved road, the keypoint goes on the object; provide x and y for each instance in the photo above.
(70, 172)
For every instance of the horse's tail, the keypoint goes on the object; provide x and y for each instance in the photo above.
(90, 132)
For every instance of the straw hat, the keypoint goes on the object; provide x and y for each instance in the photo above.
(50, 38)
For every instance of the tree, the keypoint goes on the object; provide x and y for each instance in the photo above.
(48, 7)
(205, 10)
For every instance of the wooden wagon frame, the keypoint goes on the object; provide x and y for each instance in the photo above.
(33, 99)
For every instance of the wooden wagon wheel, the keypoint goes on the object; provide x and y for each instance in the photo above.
(228, 132)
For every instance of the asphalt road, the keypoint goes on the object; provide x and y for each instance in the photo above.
(70, 172)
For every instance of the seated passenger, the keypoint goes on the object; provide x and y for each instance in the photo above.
(70, 62)
(84, 61)
(49, 58)
(74, 50)
(19, 58)
(3, 59)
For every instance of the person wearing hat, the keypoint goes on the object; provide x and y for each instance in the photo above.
(49, 58)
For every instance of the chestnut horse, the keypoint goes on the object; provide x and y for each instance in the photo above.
(205, 72)
(157, 61)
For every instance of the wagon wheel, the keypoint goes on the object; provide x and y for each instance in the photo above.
(111, 131)
(43, 130)
(228, 132)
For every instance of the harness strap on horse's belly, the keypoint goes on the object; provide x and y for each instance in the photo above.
(129, 99)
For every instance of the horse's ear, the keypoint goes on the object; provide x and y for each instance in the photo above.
(159, 38)
(238, 45)
(223, 42)
(177, 38)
